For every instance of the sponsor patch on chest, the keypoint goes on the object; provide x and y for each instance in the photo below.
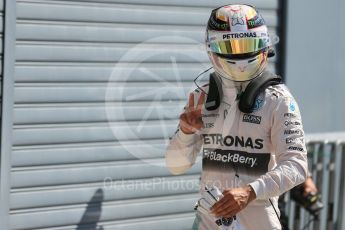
(240, 161)
(249, 118)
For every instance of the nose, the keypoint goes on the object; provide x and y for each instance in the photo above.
(242, 68)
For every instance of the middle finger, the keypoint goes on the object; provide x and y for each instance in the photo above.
(224, 210)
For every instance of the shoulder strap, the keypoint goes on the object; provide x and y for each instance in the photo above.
(254, 88)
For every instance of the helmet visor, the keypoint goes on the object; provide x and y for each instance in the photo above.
(238, 46)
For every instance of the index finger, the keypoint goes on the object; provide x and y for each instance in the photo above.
(191, 101)
(201, 101)
(219, 203)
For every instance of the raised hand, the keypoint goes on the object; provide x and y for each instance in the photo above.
(191, 118)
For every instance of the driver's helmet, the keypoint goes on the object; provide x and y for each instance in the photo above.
(237, 42)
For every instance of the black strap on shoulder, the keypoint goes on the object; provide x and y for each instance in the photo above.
(214, 93)
(254, 88)
(247, 100)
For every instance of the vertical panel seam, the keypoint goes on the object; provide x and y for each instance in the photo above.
(7, 87)
(282, 31)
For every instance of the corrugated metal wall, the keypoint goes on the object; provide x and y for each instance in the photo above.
(8, 24)
(95, 99)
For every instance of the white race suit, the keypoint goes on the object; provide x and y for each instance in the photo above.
(265, 149)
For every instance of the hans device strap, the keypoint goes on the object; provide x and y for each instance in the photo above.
(247, 99)
(215, 93)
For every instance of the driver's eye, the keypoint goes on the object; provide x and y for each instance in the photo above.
(231, 62)
(251, 60)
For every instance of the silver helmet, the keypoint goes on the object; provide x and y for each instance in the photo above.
(237, 42)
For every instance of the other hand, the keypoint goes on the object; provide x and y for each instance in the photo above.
(234, 201)
(309, 187)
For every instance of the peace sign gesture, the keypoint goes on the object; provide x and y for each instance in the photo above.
(191, 119)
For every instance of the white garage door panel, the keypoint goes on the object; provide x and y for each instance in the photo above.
(1, 46)
(64, 31)
(68, 54)
(49, 217)
(129, 72)
(97, 32)
(117, 190)
(93, 52)
(103, 72)
(87, 152)
(95, 112)
(267, 4)
(92, 132)
(97, 92)
(87, 173)
(1, 21)
(166, 222)
(102, 52)
(109, 13)
(82, 113)
(123, 13)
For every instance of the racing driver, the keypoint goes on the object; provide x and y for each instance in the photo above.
(252, 154)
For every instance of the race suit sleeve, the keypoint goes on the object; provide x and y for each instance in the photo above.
(287, 137)
(182, 152)
(183, 149)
